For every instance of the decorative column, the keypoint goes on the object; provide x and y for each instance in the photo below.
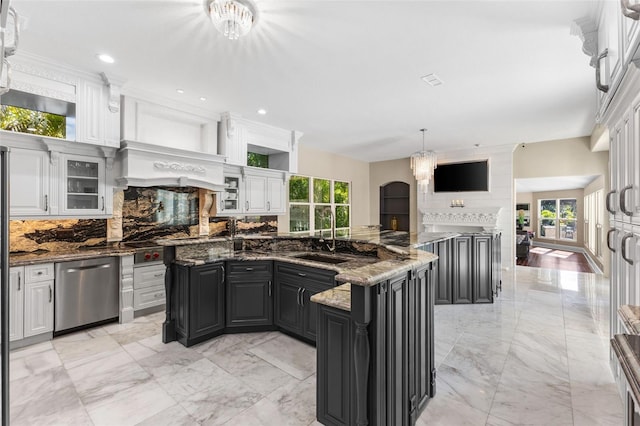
(361, 315)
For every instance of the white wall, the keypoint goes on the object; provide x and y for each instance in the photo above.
(500, 194)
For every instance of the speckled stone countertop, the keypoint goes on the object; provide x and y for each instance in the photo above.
(338, 297)
(357, 270)
(627, 349)
(630, 316)
(23, 259)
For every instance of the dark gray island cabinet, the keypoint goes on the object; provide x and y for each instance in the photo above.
(376, 360)
(468, 268)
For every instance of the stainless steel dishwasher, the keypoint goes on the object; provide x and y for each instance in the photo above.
(86, 292)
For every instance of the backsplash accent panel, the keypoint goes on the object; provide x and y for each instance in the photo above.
(56, 235)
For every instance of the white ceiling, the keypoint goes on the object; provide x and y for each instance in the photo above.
(346, 73)
(558, 183)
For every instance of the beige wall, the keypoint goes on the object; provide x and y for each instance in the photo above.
(316, 163)
(383, 172)
(563, 157)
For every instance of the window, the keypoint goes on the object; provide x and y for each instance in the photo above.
(38, 115)
(557, 219)
(310, 201)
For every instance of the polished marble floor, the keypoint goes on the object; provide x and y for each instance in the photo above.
(537, 356)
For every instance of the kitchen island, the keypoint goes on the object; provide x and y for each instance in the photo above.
(375, 359)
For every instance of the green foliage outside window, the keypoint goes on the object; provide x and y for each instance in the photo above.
(257, 160)
(299, 189)
(341, 192)
(342, 216)
(23, 120)
(321, 191)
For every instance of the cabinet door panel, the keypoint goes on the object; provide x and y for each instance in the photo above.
(29, 182)
(397, 348)
(248, 302)
(16, 303)
(275, 201)
(462, 270)
(287, 308)
(442, 272)
(83, 185)
(206, 307)
(256, 194)
(310, 310)
(482, 269)
(38, 308)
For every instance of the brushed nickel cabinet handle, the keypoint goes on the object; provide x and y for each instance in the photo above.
(19, 280)
(50, 294)
(46, 203)
(624, 248)
(103, 206)
(623, 200)
(609, 246)
(607, 201)
(601, 87)
(268, 206)
(270, 290)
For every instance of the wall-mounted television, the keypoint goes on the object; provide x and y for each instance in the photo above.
(461, 177)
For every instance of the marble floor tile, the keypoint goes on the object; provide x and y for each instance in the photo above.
(537, 356)
(130, 406)
(290, 355)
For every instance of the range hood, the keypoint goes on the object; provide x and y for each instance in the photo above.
(152, 165)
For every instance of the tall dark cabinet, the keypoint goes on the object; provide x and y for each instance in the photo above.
(394, 202)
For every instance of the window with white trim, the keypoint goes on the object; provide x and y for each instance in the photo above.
(310, 201)
(558, 219)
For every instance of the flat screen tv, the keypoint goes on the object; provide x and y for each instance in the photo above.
(461, 177)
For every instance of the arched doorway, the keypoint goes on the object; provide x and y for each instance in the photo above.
(394, 206)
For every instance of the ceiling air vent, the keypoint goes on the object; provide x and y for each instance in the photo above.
(432, 79)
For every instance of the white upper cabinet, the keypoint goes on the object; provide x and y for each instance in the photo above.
(90, 109)
(238, 136)
(82, 183)
(264, 191)
(172, 126)
(30, 183)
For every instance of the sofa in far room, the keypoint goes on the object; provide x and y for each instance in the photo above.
(522, 244)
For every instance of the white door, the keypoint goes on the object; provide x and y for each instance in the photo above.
(255, 194)
(29, 189)
(275, 191)
(38, 308)
(16, 303)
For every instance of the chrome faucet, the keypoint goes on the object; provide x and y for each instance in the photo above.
(332, 247)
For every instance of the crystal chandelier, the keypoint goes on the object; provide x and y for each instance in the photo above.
(423, 163)
(233, 18)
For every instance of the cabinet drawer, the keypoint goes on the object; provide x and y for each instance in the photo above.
(148, 276)
(305, 273)
(261, 267)
(38, 273)
(148, 297)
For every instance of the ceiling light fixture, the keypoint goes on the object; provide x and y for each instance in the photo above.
(232, 18)
(106, 58)
(180, 91)
(262, 111)
(431, 79)
(203, 99)
(423, 163)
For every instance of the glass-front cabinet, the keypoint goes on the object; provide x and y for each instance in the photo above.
(83, 181)
(229, 200)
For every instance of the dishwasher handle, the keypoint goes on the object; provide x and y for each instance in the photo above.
(84, 268)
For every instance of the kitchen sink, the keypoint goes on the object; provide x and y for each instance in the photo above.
(322, 258)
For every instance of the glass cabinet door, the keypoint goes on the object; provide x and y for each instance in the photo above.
(84, 184)
(229, 201)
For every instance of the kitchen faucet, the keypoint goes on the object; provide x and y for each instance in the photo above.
(332, 246)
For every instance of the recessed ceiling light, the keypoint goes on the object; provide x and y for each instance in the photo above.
(180, 91)
(262, 111)
(106, 58)
(431, 79)
(202, 98)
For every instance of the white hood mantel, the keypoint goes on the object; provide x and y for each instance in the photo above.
(453, 217)
(151, 165)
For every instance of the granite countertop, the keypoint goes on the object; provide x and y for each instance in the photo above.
(23, 259)
(338, 297)
(630, 315)
(358, 270)
(627, 349)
